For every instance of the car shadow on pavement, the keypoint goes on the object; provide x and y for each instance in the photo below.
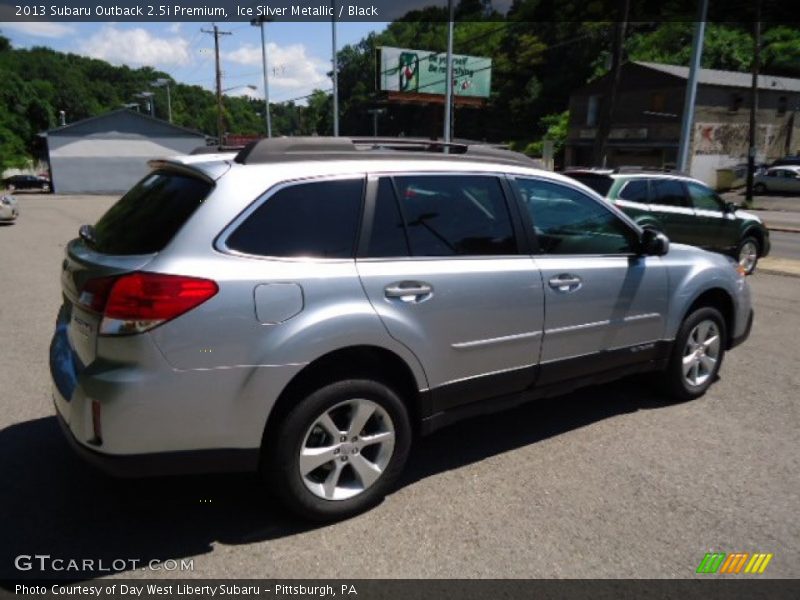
(54, 504)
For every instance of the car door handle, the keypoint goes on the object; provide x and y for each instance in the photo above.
(408, 290)
(565, 283)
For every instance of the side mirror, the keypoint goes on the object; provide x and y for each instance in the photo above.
(653, 243)
(730, 207)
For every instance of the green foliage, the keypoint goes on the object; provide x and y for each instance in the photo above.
(556, 127)
(40, 82)
(537, 64)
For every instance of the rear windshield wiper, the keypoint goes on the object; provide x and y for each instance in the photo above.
(87, 234)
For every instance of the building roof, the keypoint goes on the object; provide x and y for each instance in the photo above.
(123, 111)
(735, 79)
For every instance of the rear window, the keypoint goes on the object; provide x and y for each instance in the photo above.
(145, 219)
(599, 183)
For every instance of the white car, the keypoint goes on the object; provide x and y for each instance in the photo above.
(8, 208)
(778, 179)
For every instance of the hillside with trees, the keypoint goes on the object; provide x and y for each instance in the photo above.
(536, 65)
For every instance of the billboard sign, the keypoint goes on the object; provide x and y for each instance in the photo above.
(424, 72)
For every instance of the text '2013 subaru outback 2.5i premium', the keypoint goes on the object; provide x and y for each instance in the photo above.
(307, 306)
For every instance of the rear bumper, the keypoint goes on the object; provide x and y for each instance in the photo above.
(223, 460)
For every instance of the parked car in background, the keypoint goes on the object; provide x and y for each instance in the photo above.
(778, 179)
(9, 211)
(787, 160)
(308, 306)
(686, 209)
(28, 182)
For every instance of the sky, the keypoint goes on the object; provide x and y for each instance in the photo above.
(299, 53)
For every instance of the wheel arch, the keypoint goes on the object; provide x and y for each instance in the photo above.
(366, 361)
(752, 230)
(721, 300)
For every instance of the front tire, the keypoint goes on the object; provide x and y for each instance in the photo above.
(697, 354)
(339, 450)
(747, 253)
(759, 188)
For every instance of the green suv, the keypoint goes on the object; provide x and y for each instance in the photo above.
(687, 210)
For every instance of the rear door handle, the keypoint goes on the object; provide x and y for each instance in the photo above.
(565, 283)
(409, 291)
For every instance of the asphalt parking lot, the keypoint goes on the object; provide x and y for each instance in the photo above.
(607, 482)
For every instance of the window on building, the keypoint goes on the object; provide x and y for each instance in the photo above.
(658, 102)
(592, 111)
(783, 103)
(736, 102)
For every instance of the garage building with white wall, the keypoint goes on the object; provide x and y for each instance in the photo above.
(109, 153)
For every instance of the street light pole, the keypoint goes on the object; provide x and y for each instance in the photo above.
(261, 21)
(691, 88)
(449, 83)
(751, 147)
(335, 72)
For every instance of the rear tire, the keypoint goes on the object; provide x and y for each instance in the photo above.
(339, 450)
(696, 355)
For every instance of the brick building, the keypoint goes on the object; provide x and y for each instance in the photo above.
(645, 127)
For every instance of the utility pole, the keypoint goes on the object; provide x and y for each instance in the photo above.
(607, 113)
(751, 147)
(691, 88)
(335, 72)
(164, 82)
(220, 124)
(448, 90)
(262, 21)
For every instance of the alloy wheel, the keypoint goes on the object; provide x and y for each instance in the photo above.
(701, 353)
(346, 449)
(748, 255)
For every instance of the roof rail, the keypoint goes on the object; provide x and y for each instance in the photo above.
(215, 149)
(638, 169)
(320, 148)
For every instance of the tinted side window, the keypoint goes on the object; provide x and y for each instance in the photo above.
(388, 236)
(599, 183)
(635, 191)
(703, 198)
(568, 222)
(668, 192)
(145, 219)
(317, 219)
(452, 215)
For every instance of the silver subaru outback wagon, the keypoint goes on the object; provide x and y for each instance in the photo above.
(307, 306)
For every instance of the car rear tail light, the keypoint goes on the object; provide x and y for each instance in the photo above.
(137, 302)
(95, 294)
